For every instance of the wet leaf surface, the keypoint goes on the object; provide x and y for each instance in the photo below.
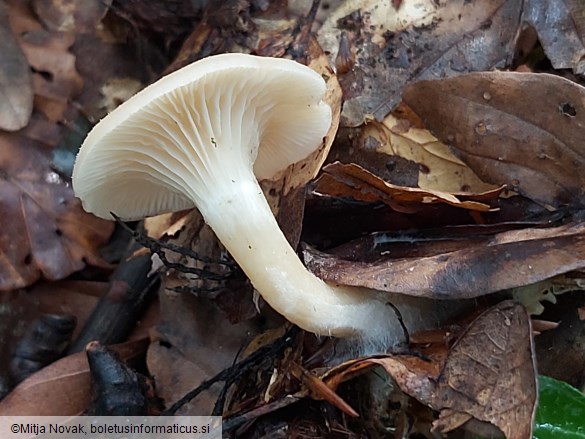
(489, 120)
(507, 260)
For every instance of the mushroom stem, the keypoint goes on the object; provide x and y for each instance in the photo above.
(240, 216)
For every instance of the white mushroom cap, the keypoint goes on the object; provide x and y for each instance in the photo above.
(140, 160)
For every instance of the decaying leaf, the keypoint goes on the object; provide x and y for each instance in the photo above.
(69, 15)
(507, 260)
(16, 92)
(560, 27)
(419, 40)
(489, 374)
(45, 231)
(351, 180)
(438, 168)
(200, 342)
(175, 376)
(320, 390)
(62, 388)
(489, 120)
(55, 77)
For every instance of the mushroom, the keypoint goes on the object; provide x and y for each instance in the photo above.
(201, 137)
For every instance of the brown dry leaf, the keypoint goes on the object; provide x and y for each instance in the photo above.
(55, 77)
(420, 40)
(560, 27)
(71, 15)
(490, 121)
(438, 168)
(320, 390)
(175, 376)
(16, 92)
(63, 387)
(200, 342)
(491, 373)
(45, 231)
(351, 180)
(488, 374)
(166, 225)
(508, 260)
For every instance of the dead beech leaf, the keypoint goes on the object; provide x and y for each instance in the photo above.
(45, 231)
(63, 387)
(166, 225)
(351, 180)
(560, 27)
(16, 92)
(175, 376)
(507, 260)
(490, 373)
(489, 120)
(201, 342)
(438, 168)
(421, 40)
(55, 78)
(68, 15)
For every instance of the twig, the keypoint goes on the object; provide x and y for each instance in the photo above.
(157, 248)
(119, 308)
(232, 373)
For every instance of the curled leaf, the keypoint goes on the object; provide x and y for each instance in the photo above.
(351, 180)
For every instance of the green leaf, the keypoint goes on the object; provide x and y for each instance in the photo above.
(561, 411)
